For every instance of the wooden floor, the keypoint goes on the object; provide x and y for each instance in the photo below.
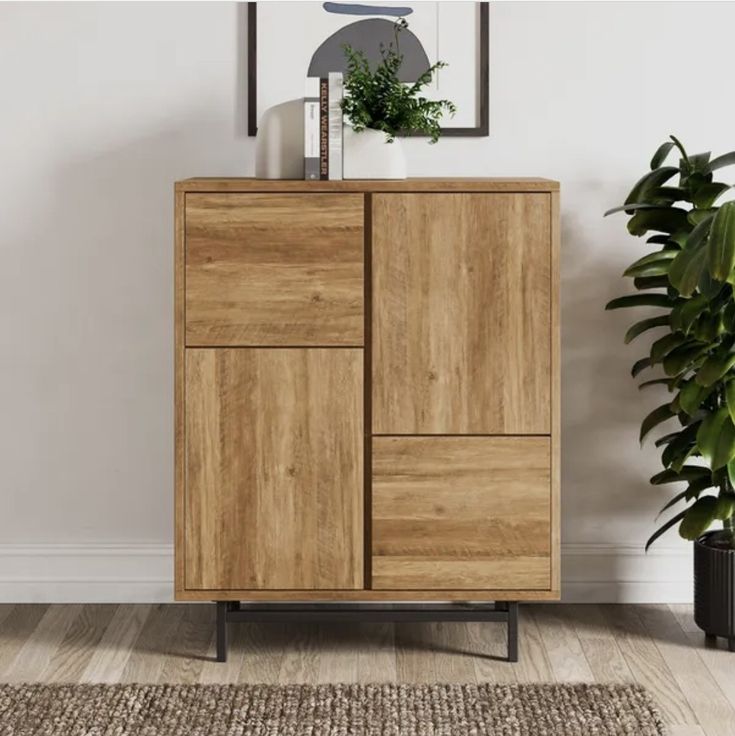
(657, 646)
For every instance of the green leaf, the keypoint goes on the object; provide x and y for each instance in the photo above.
(685, 313)
(697, 485)
(667, 438)
(655, 268)
(664, 345)
(716, 439)
(656, 417)
(652, 259)
(714, 368)
(708, 193)
(682, 495)
(699, 162)
(687, 473)
(725, 506)
(632, 208)
(678, 144)
(643, 283)
(686, 269)
(726, 159)
(691, 397)
(659, 239)
(721, 247)
(661, 530)
(661, 153)
(643, 189)
(662, 219)
(640, 300)
(683, 357)
(698, 518)
(702, 221)
(730, 398)
(679, 450)
(706, 328)
(639, 366)
(697, 217)
(707, 285)
(645, 324)
(731, 471)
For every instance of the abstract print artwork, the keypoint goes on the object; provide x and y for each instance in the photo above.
(291, 41)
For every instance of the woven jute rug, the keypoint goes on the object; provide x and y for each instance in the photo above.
(327, 710)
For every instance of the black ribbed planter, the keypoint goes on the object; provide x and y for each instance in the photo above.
(714, 588)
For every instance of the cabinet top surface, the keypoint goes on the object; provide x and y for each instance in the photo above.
(459, 184)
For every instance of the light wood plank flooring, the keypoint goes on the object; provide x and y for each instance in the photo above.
(657, 646)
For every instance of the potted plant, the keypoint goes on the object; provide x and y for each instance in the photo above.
(689, 277)
(379, 107)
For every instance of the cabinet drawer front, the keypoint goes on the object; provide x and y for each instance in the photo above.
(462, 313)
(274, 269)
(461, 513)
(274, 473)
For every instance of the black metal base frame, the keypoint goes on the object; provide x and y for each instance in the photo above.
(234, 611)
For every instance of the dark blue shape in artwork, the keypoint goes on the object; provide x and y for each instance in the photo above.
(349, 9)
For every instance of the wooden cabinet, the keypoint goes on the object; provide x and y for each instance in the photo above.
(274, 269)
(461, 512)
(274, 496)
(367, 390)
(462, 313)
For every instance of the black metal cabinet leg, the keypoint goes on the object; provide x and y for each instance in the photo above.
(731, 643)
(221, 631)
(512, 631)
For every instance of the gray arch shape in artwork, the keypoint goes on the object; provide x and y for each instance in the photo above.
(367, 36)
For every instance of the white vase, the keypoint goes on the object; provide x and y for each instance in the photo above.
(367, 155)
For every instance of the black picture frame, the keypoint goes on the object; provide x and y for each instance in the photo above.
(482, 129)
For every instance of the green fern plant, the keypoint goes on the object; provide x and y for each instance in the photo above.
(377, 99)
(689, 276)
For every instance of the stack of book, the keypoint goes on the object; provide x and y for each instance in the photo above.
(323, 127)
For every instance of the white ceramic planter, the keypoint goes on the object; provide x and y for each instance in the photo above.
(366, 155)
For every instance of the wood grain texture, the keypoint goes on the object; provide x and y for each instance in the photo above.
(555, 418)
(36, 654)
(563, 647)
(179, 405)
(461, 512)
(437, 653)
(646, 664)
(274, 269)
(111, 655)
(70, 660)
(598, 643)
(18, 625)
(274, 469)
(428, 184)
(358, 594)
(712, 709)
(461, 314)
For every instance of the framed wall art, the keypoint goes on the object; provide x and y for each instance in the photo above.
(291, 41)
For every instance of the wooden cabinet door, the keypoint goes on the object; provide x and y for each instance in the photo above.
(461, 513)
(274, 269)
(461, 309)
(274, 473)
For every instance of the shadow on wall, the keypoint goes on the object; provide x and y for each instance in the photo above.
(606, 491)
(96, 353)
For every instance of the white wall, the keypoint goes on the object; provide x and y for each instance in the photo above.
(105, 105)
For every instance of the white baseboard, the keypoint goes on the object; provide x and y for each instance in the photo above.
(143, 573)
(86, 573)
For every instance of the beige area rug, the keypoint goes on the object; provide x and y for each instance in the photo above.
(327, 710)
